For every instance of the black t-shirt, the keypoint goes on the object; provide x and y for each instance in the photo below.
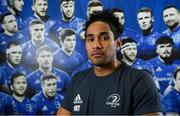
(125, 91)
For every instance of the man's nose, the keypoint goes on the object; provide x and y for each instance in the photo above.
(97, 44)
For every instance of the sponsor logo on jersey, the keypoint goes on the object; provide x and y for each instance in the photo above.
(113, 100)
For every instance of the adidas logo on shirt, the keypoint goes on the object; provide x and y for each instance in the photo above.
(45, 108)
(77, 99)
(159, 69)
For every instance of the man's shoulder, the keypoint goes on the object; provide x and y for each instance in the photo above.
(82, 74)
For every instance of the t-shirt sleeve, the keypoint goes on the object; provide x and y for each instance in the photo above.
(67, 101)
(145, 95)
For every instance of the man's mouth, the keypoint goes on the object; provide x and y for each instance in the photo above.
(97, 54)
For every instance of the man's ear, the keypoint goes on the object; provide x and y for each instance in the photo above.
(33, 8)
(11, 87)
(152, 19)
(118, 44)
(3, 25)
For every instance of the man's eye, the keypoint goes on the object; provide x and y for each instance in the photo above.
(89, 39)
(104, 37)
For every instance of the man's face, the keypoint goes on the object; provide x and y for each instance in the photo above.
(14, 54)
(130, 53)
(10, 24)
(69, 43)
(49, 87)
(45, 59)
(37, 32)
(164, 50)
(67, 9)
(170, 17)
(120, 16)
(145, 20)
(177, 81)
(100, 44)
(93, 9)
(18, 4)
(40, 7)
(19, 86)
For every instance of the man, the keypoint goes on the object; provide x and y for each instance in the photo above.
(163, 63)
(9, 24)
(40, 8)
(16, 7)
(127, 32)
(3, 83)
(24, 105)
(7, 106)
(67, 59)
(171, 101)
(171, 19)
(45, 61)
(37, 33)
(129, 52)
(91, 91)
(93, 7)
(47, 100)
(147, 47)
(13, 62)
(69, 20)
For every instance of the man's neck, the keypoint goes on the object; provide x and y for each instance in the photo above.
(128, 62)
(168, 60)
(172, 28)
(176, 88)
(65, 20)
(107, 69)
(67, 53)
(147, 31)
(19, 98)
(37, 44)
(12, 11)
(8, 33)
(11, 65)
(45, 70)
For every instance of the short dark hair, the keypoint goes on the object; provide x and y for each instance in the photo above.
(66, 1)
(47, 76)
(145, 9)
(164, 40)
(66, 32)
(43, 48)
(176, 71)
(10, 3)
(170, 6)
(3, 15)
(34, 1)
(114, 10)
(128, 40)
(107, 18)
(93, 3)
(15, 75)
(15, 43)
(35, 21)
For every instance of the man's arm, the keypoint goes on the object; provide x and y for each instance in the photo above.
(62, 111)
(155, 113)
